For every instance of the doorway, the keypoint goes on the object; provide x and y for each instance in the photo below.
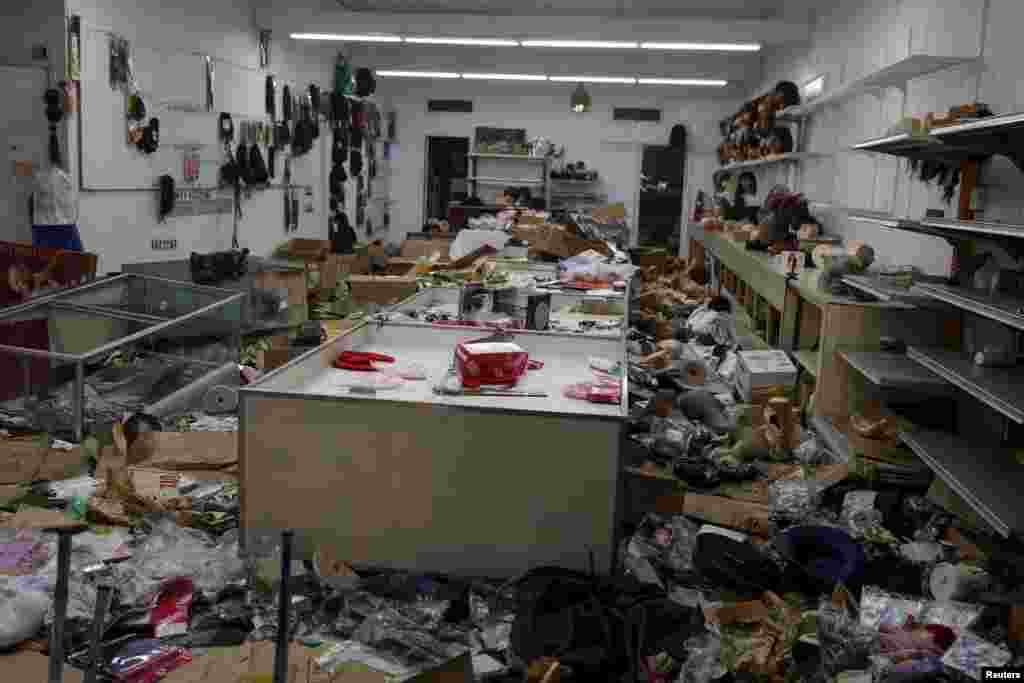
(660, 214)
(446, 170)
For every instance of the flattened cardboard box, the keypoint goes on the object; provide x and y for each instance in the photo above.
(24, 459)
(750, 517)
(254, 663)
(381, 289)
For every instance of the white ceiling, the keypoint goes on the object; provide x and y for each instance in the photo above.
(626, 9)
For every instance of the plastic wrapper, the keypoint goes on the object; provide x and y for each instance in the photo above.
(704, 663)
(858, 514)
(663, 545)
(812, 452)
(146, 661)
(404, 641)
(171, 551)
(595, 392)
(352, 651)
(22, 552)
(21, 613)
(795, 500)
(402, 371)
(89, 553)
(879, 609)
(970, 653)
(845, 644)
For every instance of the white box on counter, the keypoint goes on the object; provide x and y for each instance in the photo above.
(763, 369)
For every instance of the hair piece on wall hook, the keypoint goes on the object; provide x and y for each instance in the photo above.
(209, 83)
(264, 48)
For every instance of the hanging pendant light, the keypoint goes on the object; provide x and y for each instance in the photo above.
(580, 101)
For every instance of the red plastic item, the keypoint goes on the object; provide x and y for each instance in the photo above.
(360, 360)
(169, 617)
(481, 362)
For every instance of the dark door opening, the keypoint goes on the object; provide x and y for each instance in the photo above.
(661, 196)
(446, 171)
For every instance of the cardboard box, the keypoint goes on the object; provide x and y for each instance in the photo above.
(24, 459)
(184, 451)
(42, 270)
(381, 289)
(254, 663)
(750, 517)
(414, 249)
(292, 282)
(758, 369)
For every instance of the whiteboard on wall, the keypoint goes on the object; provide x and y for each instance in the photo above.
(24, 135)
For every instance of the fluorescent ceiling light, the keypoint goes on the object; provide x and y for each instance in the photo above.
(347, 38)
(593, 79)
(683, 81)
(416, 74)
(704, 47)
(580, 43)
(484, 42)
(505, 77)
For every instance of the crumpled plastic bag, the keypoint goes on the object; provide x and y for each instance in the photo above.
(795, 500)
(846, 644)
(89, 551)
(661, 545)
(21, 613)
(172, 551)
(703, 664)
(393, 634)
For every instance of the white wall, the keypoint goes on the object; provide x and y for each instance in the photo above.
(849, 42)
(612, 148)
(120, 225)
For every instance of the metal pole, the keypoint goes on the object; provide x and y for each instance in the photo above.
(60, 604)
(103, 593)
(78, 401)
(284, 610)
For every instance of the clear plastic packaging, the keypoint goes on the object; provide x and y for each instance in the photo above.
(859, 515)
(704, 663)
(795, 500)
(845, 644)
(21, 613)
(970, 653)
(171, 551)
(146, 661)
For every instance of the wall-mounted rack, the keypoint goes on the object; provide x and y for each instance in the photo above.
(893, 76)
(791, 157)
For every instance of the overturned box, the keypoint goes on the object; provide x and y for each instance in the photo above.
(408, 478)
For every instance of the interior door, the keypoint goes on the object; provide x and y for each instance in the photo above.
(24, 134)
